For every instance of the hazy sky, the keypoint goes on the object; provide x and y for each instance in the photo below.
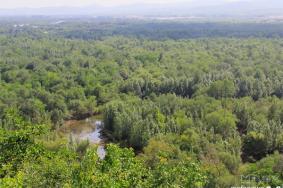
(48, 3)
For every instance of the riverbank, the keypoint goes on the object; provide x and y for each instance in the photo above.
(89, 129)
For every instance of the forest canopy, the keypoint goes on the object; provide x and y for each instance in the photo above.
(183, 104)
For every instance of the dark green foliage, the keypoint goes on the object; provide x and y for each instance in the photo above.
(199, 112)
(222, 89)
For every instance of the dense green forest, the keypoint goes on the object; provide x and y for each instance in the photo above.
(184, 104)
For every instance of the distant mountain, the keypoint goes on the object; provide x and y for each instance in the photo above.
(195, 8)
(252, 8)
(50, 11)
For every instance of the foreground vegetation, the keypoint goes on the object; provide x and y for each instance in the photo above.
(201, 112)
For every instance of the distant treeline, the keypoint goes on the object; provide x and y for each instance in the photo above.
(156, 30)
(197, 113)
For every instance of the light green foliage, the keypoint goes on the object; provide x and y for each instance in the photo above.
(222, 122)
(183, 174)
(17, 142)
(48, 171)
(222, 89)
(268, 171)
(198, 112)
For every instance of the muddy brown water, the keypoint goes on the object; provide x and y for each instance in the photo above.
(87, 129)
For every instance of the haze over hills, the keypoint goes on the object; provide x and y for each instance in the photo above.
(194, 8)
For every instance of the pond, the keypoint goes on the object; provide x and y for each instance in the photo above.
(87, 129)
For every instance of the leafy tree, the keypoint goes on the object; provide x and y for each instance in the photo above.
(222, 122)
(222, 89)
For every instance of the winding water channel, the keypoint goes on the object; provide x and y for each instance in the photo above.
(87, 129)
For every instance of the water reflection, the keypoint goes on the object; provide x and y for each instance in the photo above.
(88, 129)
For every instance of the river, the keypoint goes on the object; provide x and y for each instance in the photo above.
(87, 129)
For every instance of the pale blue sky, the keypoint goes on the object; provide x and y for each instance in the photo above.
(49, 3)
